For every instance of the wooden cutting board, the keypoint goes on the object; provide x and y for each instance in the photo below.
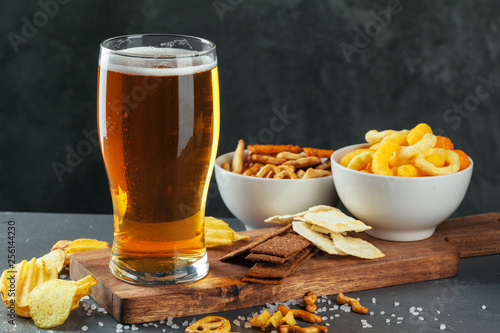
(433, 258)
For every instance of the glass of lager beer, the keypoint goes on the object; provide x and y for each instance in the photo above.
(158, 123)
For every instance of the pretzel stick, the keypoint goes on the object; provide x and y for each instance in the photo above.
(266, 159)
(304, 315)
(237, 163)
(354, 303)
(298, 329)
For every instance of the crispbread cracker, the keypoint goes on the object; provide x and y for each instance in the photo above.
(272, 270)
(245, 249)
(335, 221)
(283, 245)
(286, 219)
(322, 241)
(356, 247)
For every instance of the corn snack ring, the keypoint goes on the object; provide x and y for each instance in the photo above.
(389, 146)
(214, 324)
(361, 160)
(374, 136)
(427, 142)
(429, 169)
(407, 170)
(417, 133)
(344, 161)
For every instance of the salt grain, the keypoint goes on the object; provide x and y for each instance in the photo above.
(374, 300)
(483, 307)
(420, 318)
(442, 327)
(396, 303)
(84, 328)
(419, 309)
(100, 324)
(382, 312)
(400, 318)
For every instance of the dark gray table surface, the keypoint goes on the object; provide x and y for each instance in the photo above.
(469, 302)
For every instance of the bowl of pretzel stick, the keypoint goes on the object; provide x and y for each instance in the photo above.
(259, 181)
(402, 183)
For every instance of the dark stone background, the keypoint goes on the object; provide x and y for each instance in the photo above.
(429, 61)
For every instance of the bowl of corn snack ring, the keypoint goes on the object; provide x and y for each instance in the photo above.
(259, 181)
(402, 183)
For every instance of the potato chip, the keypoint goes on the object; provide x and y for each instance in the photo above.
(218, 232)
(356, 247)
(84, 287)
(23, 278)
(335, 221)
(83, 244)
(275, 319)
(54, 259)
(322, 241)
(50, 303)
(286, 219)
(261, 320)
(60, 244)
(288, 319)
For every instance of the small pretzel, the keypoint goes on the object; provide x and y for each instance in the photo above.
(266, 159)
(304, 162)
(354, 303)
(252, 171)
(325, 165)
(298, 329)
(309, 301)
(304, 315)
(289, 156)
(267, 171)
(314, 173)
(212, 324)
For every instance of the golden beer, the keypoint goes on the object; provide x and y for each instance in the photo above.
(158, 123)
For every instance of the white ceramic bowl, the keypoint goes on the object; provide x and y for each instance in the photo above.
(252, 199)
(398, 208)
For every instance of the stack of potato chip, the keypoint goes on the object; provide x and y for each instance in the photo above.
(33, 289)
(327, 227)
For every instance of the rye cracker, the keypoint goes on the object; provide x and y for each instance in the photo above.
(283, 245)
(245, 249)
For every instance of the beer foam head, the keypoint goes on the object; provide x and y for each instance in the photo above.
(153, 61)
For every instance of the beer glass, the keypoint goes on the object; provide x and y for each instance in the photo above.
(158, 123)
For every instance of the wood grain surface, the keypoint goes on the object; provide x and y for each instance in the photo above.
(433, 258)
